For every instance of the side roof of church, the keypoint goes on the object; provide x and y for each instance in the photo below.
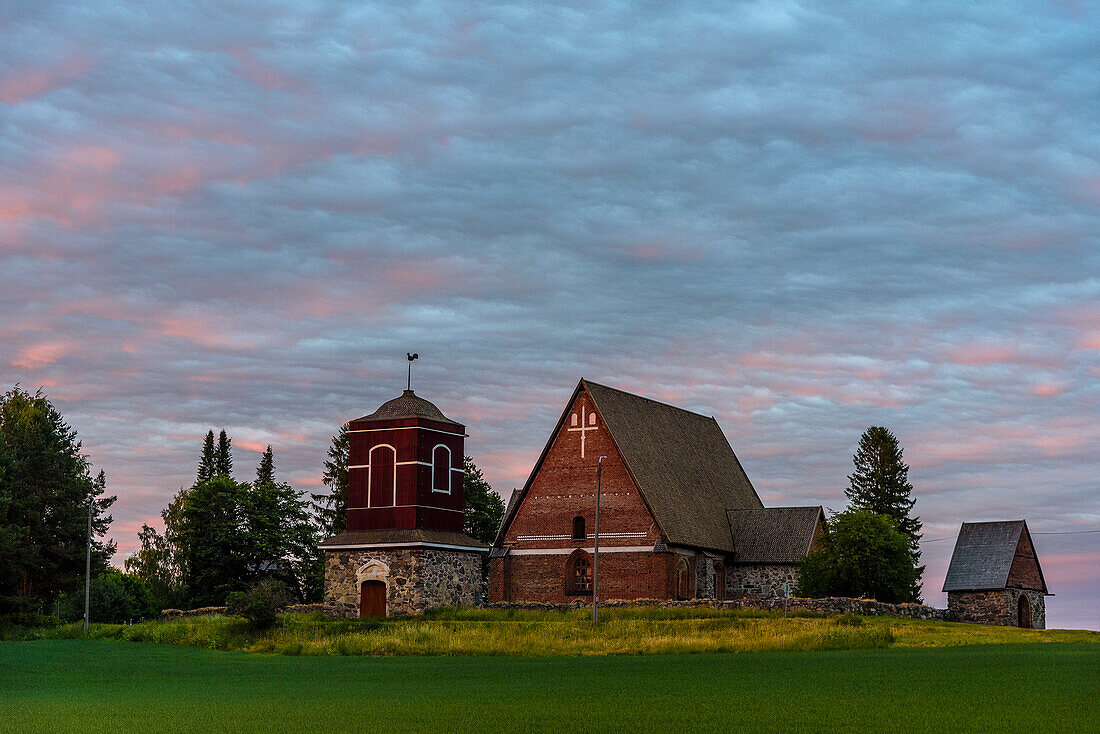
(681, 462)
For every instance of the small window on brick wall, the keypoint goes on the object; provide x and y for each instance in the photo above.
(578, 528)
(579, 575)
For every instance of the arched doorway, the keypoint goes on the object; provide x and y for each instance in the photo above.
(683, 579)
(1023, 612)
(372, 599)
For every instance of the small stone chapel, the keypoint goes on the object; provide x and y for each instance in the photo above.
(404, 550)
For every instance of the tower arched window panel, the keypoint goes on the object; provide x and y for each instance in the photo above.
(382, 482)
(441, 469)
(579, 578)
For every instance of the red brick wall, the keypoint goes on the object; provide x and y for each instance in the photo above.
(565, 487)
(1025, 566)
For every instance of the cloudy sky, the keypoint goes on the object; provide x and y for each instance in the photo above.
(801, 218)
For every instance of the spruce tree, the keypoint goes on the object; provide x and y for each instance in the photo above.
(223, 456)
(880, 485)
(46, 493)
(331, 509)
(206, 462)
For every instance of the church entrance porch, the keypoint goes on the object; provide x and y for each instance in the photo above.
(372, 599)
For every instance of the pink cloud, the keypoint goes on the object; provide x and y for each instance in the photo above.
(257, 72)
(27, 83)
(1048, 389)
(975, 355)
(41, 354)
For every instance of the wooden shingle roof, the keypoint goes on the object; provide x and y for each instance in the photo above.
(680, 461)
(983, 555)
(773, 534)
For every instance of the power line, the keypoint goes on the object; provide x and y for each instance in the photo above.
(1047, 532)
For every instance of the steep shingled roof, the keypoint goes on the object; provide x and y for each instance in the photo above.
(983, 555)
(681, 461)
(773, 534)
(407, 405)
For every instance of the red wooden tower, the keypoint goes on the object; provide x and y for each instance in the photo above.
(404, 550)
(405, 467)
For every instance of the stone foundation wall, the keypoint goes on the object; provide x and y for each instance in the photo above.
(997, 607)
(416, 579)
(763, 580)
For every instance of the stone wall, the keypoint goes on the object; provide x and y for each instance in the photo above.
(416, 579)
(764, 580)
(833, 605)
(997, 607)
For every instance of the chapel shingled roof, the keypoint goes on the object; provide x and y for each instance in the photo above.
(407, 405)
(983, 555)
(681, 461)
(773, 534)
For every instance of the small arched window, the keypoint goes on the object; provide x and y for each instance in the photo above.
(579, 575)
(441, 469)
(683, 579)
(578, 528)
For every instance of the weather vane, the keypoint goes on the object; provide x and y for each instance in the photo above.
(411, 356)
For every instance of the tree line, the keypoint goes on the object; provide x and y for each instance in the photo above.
(220, 536)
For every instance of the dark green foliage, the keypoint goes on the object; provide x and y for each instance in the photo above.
(859, 554)
(880, 484)
(223, 456)
(331, 508)
(484, 508)
(116, 598)
(156, 563)
(46, 490)
(280, 539)
(207, 469)
(211, 541)
(260, 604)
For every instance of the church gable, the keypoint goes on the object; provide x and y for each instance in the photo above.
(1025, 570)
(556, 507)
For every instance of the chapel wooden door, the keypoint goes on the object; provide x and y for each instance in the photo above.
(372, 599)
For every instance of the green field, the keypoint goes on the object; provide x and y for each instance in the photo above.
(106, 686)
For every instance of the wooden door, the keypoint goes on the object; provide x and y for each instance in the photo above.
(372, 599)
(1023, 612)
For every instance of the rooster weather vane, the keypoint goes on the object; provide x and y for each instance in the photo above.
(411, 356)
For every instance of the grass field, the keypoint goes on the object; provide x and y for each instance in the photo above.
(625, 630)
(103, 686)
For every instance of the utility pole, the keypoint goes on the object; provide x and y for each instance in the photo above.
(88, 565)
(596, 550)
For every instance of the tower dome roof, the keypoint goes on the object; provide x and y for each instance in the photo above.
(408, 405)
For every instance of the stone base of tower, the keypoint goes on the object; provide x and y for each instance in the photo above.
(411, 578)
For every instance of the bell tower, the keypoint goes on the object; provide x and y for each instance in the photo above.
(404, 550)
(405, 467)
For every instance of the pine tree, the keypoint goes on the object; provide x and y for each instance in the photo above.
(880, 485)
(206, 462)
(331, 509)
(223, 457)
(265, 472)
(484, 508)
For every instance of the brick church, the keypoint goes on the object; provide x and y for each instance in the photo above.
(679, 518)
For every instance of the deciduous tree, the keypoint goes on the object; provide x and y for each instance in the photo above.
(484, 507)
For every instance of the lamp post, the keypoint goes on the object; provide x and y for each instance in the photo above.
(88, 565)
(596, 549)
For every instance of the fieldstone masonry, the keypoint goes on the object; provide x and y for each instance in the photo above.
(416, 579)
(999, 606)
(759, 579)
